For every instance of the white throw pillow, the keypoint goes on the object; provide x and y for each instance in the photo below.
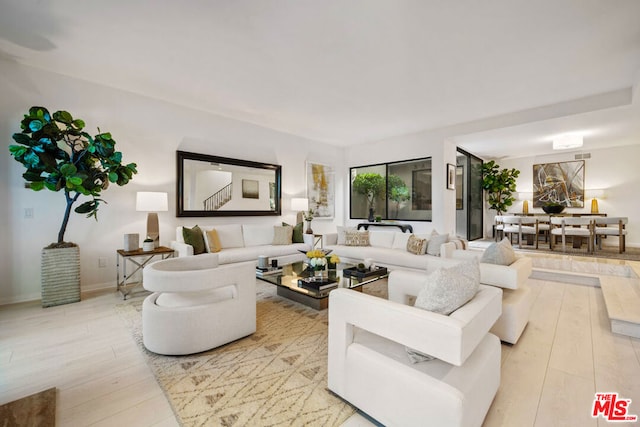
(341, 233)
(230, 236)
(436, 240)
(257, 234)
(500, 253)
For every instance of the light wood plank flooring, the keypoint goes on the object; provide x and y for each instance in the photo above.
(566, 354)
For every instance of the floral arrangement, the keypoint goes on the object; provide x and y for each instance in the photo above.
(318, 260)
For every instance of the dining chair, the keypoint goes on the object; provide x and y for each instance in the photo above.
(574, 227)
(520, 225)
(611, 226)
(498, 227)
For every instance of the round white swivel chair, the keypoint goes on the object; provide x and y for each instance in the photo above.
(197, 305)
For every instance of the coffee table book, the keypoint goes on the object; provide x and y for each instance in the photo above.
(267, 271)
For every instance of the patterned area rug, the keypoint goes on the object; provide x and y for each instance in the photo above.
(277, 376)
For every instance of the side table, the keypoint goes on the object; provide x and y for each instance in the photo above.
(139, 259)
(317, 241)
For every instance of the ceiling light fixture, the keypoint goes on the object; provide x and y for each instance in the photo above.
(564, 142)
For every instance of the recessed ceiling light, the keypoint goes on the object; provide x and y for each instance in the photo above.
(565, 142)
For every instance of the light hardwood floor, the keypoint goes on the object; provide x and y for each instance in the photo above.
(566, 354)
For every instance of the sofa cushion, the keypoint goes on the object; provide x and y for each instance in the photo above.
(416, 245)
(400, 240)
(342, 235)
(298, 232)
(381, 239)
(213, 241)
(356, 238)
(194, 237)
(231, 236)
(500, 253)
(435, 241)
(257, 234)
(282, 235)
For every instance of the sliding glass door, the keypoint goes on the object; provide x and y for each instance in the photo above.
(468, 196)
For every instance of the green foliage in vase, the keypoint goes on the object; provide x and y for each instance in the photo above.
(60, 156)
(500, 185)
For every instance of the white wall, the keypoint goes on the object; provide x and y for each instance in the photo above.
(148, 132)
(614, 170)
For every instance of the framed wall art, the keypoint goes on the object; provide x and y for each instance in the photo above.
(321, 190)
(451, 176)
(559, 183)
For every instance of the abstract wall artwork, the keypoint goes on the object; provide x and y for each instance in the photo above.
(560, 182)
(321, 189)
(250, 189)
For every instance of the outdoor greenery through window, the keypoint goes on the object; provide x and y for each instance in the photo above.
(392, 191)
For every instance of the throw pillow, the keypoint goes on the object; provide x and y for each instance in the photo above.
(416, 246)
(213, 240)
(500, 253)
(342, 233)
(400, 240)
(436, 240)
(193, 236)
(282, 235)
(356, 238)
(446, 290)
(298, 232)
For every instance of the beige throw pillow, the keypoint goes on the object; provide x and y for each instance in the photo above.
(416, 245)
(282, 234)
(356, 238)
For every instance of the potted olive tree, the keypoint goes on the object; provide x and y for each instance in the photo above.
(60, 156)
(397, 192)
(372, 186)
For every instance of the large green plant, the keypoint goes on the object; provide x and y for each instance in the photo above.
(397, 191)
(500, 185)
(370, 185)
(60, 156)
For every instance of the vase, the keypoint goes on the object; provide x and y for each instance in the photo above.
(60, 276)
(371, 217)
(309, 230)
(319, 274)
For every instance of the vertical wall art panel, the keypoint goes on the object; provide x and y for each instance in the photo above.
(560, 182)
(321, 189)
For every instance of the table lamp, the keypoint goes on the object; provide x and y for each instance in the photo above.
(300, 205)
(152, 202)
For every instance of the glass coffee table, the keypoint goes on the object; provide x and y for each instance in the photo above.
(288, 287)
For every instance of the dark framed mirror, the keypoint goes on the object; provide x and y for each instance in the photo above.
(219, 186)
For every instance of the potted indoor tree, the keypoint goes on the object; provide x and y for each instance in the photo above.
(397, 191)
(60, 156)
(500, 185)
(372, 186)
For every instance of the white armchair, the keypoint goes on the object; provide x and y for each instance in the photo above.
(197, 305)
(368, 365)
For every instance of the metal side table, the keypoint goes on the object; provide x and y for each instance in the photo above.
(139, 259)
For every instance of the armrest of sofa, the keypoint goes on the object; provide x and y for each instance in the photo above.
(183, 249)
(503, 276)
(329, 239)
(449, 338)
(404, 284)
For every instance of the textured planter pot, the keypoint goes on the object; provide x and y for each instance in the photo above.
(60, 276)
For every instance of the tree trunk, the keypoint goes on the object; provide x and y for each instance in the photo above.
(67, 212)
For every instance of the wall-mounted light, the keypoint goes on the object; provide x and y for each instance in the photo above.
(564, 142)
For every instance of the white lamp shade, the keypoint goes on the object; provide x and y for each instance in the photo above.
(594, 194)
(299, 204)
(151, 201)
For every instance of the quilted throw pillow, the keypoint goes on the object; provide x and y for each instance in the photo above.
(416, 245)
(193, 236)
(356, 238)
(500, 253)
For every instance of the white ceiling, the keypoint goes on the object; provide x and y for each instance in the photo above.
(351, 71)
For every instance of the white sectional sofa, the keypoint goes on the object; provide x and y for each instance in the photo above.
(517, 298)
(388, 249)
(245, 242)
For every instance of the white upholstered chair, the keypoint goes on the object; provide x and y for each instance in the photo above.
(197, 305)
(368, 365)
(611, 226)
(520, 225)
(575, 227)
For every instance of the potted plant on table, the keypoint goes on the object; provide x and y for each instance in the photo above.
(60, 156)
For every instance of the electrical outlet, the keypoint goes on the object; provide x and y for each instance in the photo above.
(28, 213)
(102, 262)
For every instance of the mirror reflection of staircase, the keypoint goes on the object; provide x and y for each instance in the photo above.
(218, 199)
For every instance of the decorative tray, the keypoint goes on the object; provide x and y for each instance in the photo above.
(353, 272)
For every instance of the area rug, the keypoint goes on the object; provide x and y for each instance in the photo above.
(277, 376)
(36, 410)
